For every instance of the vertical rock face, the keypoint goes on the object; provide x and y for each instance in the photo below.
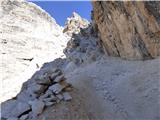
(129, 30)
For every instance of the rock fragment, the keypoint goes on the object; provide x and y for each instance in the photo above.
(59, 78)
(43, 79)
(59, 96)
(50, 99)
(37, 107)
(66, 96)
(49, 103)
(54, 75)
(37, 89)
(56, 88)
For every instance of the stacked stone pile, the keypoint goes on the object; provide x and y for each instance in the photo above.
(47, 87)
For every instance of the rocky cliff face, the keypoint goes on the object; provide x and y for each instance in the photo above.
(29, 37)
(130, 30)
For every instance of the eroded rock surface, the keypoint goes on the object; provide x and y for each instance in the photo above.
(130, 30)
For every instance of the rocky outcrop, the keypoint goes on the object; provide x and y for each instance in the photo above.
(83, 47)
(29, 37)
(74, 24)
(129, 30)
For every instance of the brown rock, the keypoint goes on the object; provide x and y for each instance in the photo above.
(129, 30)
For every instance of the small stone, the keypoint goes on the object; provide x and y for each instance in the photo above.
(46, 95)
(36, 88)
(68, 89)
(50, 99)
(12, 118)
(66, 96)
(24, 117)
(43, 79)
(59, 96)
(54, 75)
(56, 88)
(59, 78)
(37, 107)
(64, 84)
(49, 103)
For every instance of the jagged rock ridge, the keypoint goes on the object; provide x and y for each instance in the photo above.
(129, 30)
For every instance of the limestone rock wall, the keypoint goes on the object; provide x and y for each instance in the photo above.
(130, 30)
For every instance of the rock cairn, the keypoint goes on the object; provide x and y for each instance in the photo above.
(47, 87)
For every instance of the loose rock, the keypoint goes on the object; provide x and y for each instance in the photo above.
(37, 107)
(36, 88)
(59, 78)
(49, 103)
(50, 99)
(43, 79)
(56, 88)
(66, 96)
(54, 75)
(59, 96)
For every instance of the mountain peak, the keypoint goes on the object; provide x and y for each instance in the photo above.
(74, 24)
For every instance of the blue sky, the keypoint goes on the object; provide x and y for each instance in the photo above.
(60, 10)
